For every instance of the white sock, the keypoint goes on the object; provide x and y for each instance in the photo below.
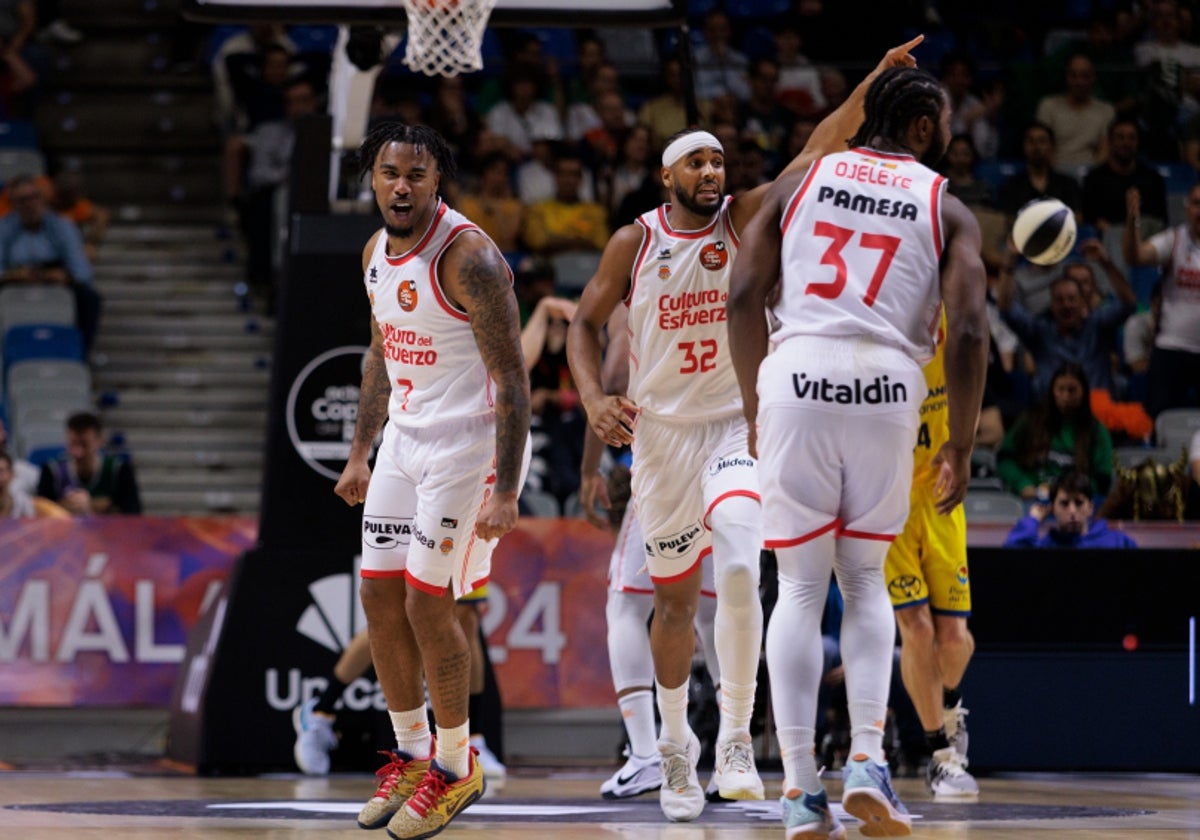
(637, 711)
(453, 749)
(672, 707)
(799, 765)
(412, 731)
(866, 728)
(737, 705)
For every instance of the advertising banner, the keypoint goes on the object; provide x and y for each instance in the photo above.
(97, 611)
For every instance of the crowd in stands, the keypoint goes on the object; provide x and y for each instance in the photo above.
(558, 143)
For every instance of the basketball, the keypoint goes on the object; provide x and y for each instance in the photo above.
(1044, 231)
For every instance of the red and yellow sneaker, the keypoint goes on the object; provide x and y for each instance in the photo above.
(397, 781)
(438, 799)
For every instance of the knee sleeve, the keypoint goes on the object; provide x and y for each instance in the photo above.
(737, 540)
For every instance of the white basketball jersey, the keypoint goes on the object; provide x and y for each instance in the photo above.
(679, 362)
(1181, 294)
(432, 360)
(862, 241)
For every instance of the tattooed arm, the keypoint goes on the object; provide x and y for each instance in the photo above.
(373, 398)
(475, 277)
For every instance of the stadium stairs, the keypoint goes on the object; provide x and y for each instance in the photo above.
(181, 363)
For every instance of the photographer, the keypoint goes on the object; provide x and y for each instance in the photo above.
(39, 246)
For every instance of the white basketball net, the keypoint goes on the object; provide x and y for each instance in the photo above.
(445, 37)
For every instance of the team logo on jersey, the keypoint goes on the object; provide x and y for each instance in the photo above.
(373, 275)
(714, 256)
(906, 588)
(446, 546)
(664, 272)
(406, 295)
(962, 575)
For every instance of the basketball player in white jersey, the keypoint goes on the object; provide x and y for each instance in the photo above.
(694, 483)
(630, 600)
(866, 249)
(445, 369)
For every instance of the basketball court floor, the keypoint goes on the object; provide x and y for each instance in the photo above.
(563, 803)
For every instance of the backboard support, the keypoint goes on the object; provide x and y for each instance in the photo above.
(567, 13)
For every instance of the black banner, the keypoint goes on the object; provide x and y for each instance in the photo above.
(291, 606)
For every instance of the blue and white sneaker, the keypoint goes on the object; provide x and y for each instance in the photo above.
(315, 738)
(867, 795)
(806, 816)
(948, 778)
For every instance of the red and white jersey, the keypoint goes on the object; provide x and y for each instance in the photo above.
(862, 241)
(679, 364)
(432, 360)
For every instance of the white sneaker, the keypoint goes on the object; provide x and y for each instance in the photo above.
(315, 739)
(637, 776)
(493, 770)
(955, 721)
(734, 772)
(681, 797)
(948, 777)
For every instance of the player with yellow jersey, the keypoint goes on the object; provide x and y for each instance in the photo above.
(926, 572)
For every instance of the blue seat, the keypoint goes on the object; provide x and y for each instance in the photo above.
(313, 37)
(1180, 177)
(557, 43)
(41, 341)
(757, 9)
(995, 171)
(42, 454)
(18, 134)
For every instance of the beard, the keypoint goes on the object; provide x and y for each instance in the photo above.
(399, 233)
(933, 155)
(691, 204)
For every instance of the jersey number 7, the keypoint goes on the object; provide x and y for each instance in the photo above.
(886, 245)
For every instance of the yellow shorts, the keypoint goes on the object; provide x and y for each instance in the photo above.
(475, 596)
(927, 563)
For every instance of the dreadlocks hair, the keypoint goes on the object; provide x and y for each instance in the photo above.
(421, 136)
(898, 96)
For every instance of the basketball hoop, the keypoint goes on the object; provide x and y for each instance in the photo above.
(445, 37)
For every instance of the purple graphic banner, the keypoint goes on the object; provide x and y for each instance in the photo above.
(96, 611)
(545, 619)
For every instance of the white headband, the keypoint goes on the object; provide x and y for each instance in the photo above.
(689, 143)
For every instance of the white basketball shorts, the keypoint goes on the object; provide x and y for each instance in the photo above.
(627, 569)
(837, 421)
(426, 492)
(681, 471)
